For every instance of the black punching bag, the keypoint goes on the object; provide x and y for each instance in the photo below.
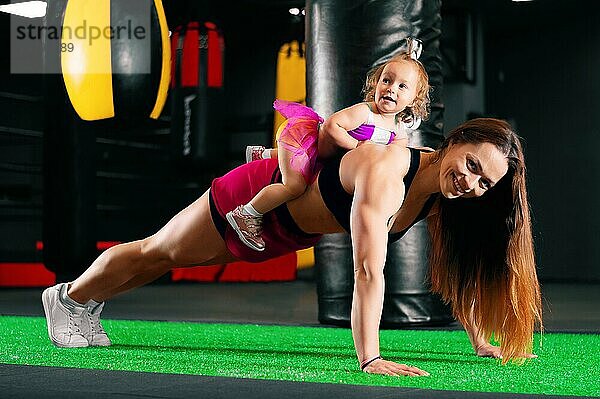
(197, 95)
(119, 68)
(69, 209)
(344, 40)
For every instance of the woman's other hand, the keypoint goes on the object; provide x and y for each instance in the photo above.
(489, 350)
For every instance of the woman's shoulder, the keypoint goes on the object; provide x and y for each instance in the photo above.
(375, 168)
(388, 161)
(400, 156)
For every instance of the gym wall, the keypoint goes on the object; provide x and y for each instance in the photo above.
(542, 74)
(536, 66)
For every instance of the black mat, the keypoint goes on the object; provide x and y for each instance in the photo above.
(53, 382)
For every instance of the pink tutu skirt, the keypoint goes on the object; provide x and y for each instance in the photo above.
(300, 136)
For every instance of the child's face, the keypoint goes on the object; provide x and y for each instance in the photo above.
(397, 87)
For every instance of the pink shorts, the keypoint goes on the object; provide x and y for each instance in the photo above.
(280, 233)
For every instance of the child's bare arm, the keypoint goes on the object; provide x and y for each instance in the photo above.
(334, 132)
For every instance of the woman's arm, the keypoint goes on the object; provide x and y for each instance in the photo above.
(375, 200)
(482, 346)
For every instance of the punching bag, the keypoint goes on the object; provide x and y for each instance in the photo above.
(290, 82)
(120, 65)
(197, 94)
(103, 59)
(344, 40)
(290, 85)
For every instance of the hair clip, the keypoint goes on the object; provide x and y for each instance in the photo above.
(414, 47)
(413, 123)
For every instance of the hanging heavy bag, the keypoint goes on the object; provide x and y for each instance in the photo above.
(290, 82)
(339, 53)
(103, 59)
(114, 56)
(197, 94)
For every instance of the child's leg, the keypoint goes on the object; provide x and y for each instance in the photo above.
(326, 147)
(246, 219)
(270, 153)
(256, 152)
(293, 185)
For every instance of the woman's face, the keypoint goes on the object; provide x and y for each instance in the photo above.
(397, 87)
(469, 170)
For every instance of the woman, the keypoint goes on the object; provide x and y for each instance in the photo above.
(482, 254)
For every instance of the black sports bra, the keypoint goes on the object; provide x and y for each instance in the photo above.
(339, 202)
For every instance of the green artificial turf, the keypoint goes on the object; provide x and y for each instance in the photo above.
(567, 363)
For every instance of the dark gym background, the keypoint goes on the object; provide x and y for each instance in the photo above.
(533, 63)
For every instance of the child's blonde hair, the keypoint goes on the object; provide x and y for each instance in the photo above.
(420, 107)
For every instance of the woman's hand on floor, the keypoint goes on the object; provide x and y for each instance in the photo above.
(489, 350)
(386, 367)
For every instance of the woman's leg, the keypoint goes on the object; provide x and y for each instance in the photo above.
(189, 238)
(147, 277)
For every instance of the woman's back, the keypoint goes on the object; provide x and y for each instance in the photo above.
(378, 162)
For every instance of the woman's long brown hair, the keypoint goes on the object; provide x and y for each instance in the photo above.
(482, 257)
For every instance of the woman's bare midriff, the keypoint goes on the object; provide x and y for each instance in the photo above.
(310, 213)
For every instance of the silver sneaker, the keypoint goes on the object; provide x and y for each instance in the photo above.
(95, 334)
(247, 227)
(64, 324)
(254, 153)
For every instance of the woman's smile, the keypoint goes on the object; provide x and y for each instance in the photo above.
(457, 186)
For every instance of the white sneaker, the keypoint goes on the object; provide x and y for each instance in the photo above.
(64, 324)
(254, 153)
(95, 334)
